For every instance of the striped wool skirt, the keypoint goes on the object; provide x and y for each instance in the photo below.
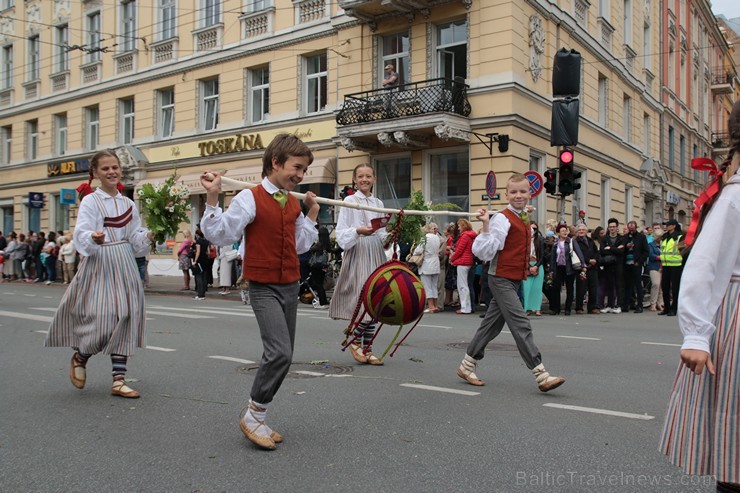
(357, 264)
(103, 308)
(701, 433)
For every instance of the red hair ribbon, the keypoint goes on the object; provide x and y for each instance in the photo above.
(84, 189)
(120, 187)
(703, 164)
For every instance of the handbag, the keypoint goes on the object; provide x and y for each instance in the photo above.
(416, 259)
(575, 260)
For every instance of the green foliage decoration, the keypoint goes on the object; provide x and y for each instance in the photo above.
(411, 232)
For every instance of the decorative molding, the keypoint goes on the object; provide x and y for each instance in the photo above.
(386, 139)
(356, 145)
(405, 139)
(61, 11)
(446, 132)
(6, 28)
(536, 46)
(33, 18)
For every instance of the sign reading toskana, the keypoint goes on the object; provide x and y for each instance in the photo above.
(68, 167)
(239, 143)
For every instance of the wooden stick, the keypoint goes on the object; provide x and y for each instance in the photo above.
(241, 185)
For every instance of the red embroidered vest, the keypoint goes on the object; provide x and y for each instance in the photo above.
(512, 262)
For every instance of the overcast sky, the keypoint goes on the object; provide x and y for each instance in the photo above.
(730, 8)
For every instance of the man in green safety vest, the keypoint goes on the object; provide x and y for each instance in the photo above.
(672, 263)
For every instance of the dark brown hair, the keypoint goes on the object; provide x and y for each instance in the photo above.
(282, 147)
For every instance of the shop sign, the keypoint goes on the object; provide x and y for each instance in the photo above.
(672, 198)
(35, 200)
(68, 167)
(67, 196)
(239, 143)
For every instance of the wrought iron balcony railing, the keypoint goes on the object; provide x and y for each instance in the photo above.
(720, 140)
(416, 98)
(722, 76)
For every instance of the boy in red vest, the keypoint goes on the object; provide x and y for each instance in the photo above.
(507, 244)
(275, 232)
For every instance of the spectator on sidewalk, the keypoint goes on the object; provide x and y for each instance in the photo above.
(612, 258)
(653, 267)
(635, 256)
(68, 254)
(672, 262)
(587, 282)
(183, 258)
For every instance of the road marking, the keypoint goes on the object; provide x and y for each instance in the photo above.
(310, 373)
(576, 337)
(200, 310)
(235, 360)
(43, 309)
(320, 318)
(29, 295)
(439, 389)
(157, 348)
(43, 332)
(8, 292)
(27, 316)
(661, 344)
(594, 410)
(435, 326)
(181, 315)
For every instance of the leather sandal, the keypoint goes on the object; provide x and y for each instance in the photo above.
(373, 360)
(267, 443)
(357, 353)
(120, 388)
(77, 372)
(276, 437)
(471, 378)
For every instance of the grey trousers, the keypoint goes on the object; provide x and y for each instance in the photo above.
(505, 307)
(275, 306)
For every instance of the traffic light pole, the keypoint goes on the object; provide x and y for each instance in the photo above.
(562, 208)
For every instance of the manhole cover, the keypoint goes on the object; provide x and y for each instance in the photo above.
(491, 346)
(305, 370)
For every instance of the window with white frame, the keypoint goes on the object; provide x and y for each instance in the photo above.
(627, 117)
(452, 49)
(646, 132)
(316, 83)
(128, 25)
(671, 67)
(604, 8)
(603, 100)
(7, 75)
(167, 19)
(93, 36)
(166, 112)
(627, 18)
(6, 4)
(393, 181)
(126, 108)
(257, 5)
(60, 134)
(61, 44)
(32, 139)
(211, 12)
(606, 199)
(395, 51)
(33, 54)
(209, 104)
(647, 50)
(448, 179)
(92, 127)
(259, 90)
(671, 148)
(6, 141)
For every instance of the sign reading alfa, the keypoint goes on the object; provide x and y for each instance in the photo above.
(68, 167)
(239, 143)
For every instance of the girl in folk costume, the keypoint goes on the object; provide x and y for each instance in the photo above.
(363, 253)
(700, 433)
(102, 311)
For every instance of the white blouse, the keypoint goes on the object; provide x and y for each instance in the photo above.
(430, 248)
(714, 259)
(226, 228)
(350, 219)
(487, 245)
(90, 219)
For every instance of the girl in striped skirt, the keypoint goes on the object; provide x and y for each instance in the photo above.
(103, 308)
(363, 253)
(701, 433)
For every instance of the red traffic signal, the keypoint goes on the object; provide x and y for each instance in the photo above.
(566, 157)
(551, 180)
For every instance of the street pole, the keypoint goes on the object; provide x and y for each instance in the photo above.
(562, 208)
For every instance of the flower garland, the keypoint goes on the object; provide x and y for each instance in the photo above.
(165, 207)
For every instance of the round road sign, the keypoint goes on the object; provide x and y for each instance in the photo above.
(535, 183)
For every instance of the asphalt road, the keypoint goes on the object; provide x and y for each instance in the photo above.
(409, 426)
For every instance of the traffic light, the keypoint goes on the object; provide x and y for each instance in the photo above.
(567, 184)
(551, 181)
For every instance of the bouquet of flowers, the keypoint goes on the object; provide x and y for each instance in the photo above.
(411, 226)
(165, 206)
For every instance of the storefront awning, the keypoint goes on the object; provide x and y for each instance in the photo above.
(322, 170)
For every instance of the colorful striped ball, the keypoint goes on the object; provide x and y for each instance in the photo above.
(394, 294)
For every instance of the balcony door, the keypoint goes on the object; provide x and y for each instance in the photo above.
(452, 49)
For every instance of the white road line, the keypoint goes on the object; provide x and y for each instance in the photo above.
(435, 326)
(320, 318)
(645, 417)
(157, 348)
(235, 360)
(29, 295)
(576, 337)
(181, 315)
(438, 389)
(27, 316)
(201, 310)
(661, 344)
(43, 309)
(310, 373)
(8, 292)
(42, 331)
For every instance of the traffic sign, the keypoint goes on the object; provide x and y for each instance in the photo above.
(535, 183)
(491, 184)
(486, 197)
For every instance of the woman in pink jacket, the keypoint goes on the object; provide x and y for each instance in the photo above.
(462, 259)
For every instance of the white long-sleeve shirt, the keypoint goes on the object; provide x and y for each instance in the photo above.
(488, 244)
(226, 228)
(90, 219)
(714, 259)
(350, 219)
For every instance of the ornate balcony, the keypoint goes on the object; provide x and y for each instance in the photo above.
(720, 145)
(406, 116)
(722, 81)
(370, 10)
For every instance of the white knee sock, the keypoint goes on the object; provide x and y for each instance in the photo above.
(255, 419)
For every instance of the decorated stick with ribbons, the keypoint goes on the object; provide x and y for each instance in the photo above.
(241, 185)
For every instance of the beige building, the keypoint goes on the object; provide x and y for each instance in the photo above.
(195, 84)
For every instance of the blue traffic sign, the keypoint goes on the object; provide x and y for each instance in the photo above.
(491, 185)
(535, 183)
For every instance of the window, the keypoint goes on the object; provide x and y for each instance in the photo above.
(209, 107)
(211, 12)
(7, 70)
(257, 5)
(627, 22)
(393, 183)
(33, 58)
(449, 181)
(61, 42)
(646, 49)
(59, 212)
(627, 115)
(259, 100)
(166, 113)
(92, 127)
(93, 37)
(603, 101)
(6, 141)
(606, 199)
(671, 150)
(695, 154)
(128, 25)
(316, 83)
(628, 203)
(60, 134)
(671, 67)
(396, 53)
(32, 139)
(127, 120)
(604, 8)
(646, 133)
(167, 16)
(452, 50)
(6, 4)
(682, 154)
